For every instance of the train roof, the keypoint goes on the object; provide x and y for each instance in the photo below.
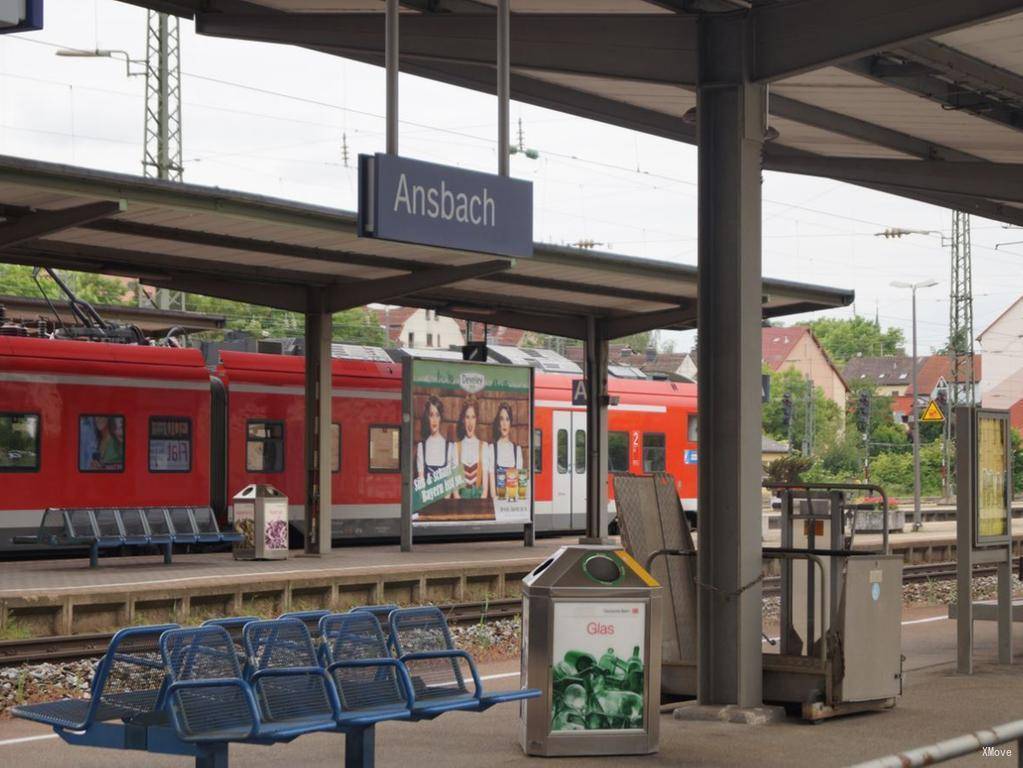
(241, 365)
(97, 357)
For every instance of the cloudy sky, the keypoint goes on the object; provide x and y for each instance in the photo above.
(270, 119)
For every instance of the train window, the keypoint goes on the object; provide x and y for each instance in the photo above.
(264, 446)
(101, 443)
(580, 451)
(618, 451)
(653, 451)
(335, 447)
(170, 444)
(562, 451)
(384, 453)
(537, 451)
(693, 428)
(19, 442)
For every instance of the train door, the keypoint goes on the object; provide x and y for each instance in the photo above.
(569, 469)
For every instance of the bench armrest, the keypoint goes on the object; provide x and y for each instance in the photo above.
(449, 654)
(403, 675)
(228, 731)
(328, 683)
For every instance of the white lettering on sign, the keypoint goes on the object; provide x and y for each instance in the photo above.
(441, 203)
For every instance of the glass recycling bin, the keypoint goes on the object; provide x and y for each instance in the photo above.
(261, 517)
(591, 642)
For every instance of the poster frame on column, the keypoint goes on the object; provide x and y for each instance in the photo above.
(409, 424)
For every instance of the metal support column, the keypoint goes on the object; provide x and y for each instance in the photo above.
(503, 85)
(964, 539)
(732, 115)
(597, 401)
(318, 385)
(391, 62)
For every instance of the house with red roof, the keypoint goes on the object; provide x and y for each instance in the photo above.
(796, 348)
(1002, 342)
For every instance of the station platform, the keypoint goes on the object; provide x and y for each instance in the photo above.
(936, 704)
(61, 597)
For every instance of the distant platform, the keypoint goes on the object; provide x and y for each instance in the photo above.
(67, 597)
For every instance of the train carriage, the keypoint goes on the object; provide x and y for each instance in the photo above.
(105, 425)
(100, 425)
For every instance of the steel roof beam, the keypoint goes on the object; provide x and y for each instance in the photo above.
(617, 327)
(41, 223)
(936, 85)
(854, 128)
(990, 181)
(960, 66)
(657, 48)
(391, 289)
(270, 294)
(791, 38)
(569, 326)
(149, 261)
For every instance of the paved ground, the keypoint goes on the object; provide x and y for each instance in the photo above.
(937, 704)
(19, 578)
(71, 576)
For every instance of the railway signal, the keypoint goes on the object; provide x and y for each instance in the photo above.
(786, 409)
(863, 411)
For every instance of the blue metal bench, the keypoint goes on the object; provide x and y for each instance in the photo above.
(108, 528)
(368, 690)
(126, 705)
(422, 641)
(127, 685)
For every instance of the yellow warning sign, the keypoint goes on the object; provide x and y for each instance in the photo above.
(932, 413)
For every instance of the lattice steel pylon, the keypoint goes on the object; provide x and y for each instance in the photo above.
(960, 315)
(960, 385)
(162, 144)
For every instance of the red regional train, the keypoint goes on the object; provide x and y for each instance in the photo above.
(104, 425)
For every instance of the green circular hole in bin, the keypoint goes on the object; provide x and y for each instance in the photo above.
(603, 569)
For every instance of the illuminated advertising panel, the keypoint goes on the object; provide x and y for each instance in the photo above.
(471, 441)
(992, 478)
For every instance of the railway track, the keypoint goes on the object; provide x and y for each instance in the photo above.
(38, 650)
(46, 649)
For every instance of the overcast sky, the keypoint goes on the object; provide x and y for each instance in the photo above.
(269, 119)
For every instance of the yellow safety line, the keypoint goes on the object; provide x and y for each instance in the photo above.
(640, 571)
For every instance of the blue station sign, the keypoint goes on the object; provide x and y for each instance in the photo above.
(428, 204)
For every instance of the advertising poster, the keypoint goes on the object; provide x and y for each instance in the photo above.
(992, 477)
(471, 427)
(598, 675)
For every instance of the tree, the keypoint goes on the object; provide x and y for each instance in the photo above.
(845, 338)
(827, 419)
(355, 326)
(16, 280)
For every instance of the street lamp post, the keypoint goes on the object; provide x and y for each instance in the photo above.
(916, 405)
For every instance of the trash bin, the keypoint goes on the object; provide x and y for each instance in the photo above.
(591, 641)
(261, 517)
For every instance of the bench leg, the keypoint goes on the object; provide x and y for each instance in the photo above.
(360, 749)
(212, 756)
(167, 549)
(94, 554)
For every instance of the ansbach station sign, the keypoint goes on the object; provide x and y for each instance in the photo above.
(429, 204)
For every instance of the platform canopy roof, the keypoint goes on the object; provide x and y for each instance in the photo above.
(288, 255)
(151, 320)
(922, 98)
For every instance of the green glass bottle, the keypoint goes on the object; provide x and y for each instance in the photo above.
(634, 672)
